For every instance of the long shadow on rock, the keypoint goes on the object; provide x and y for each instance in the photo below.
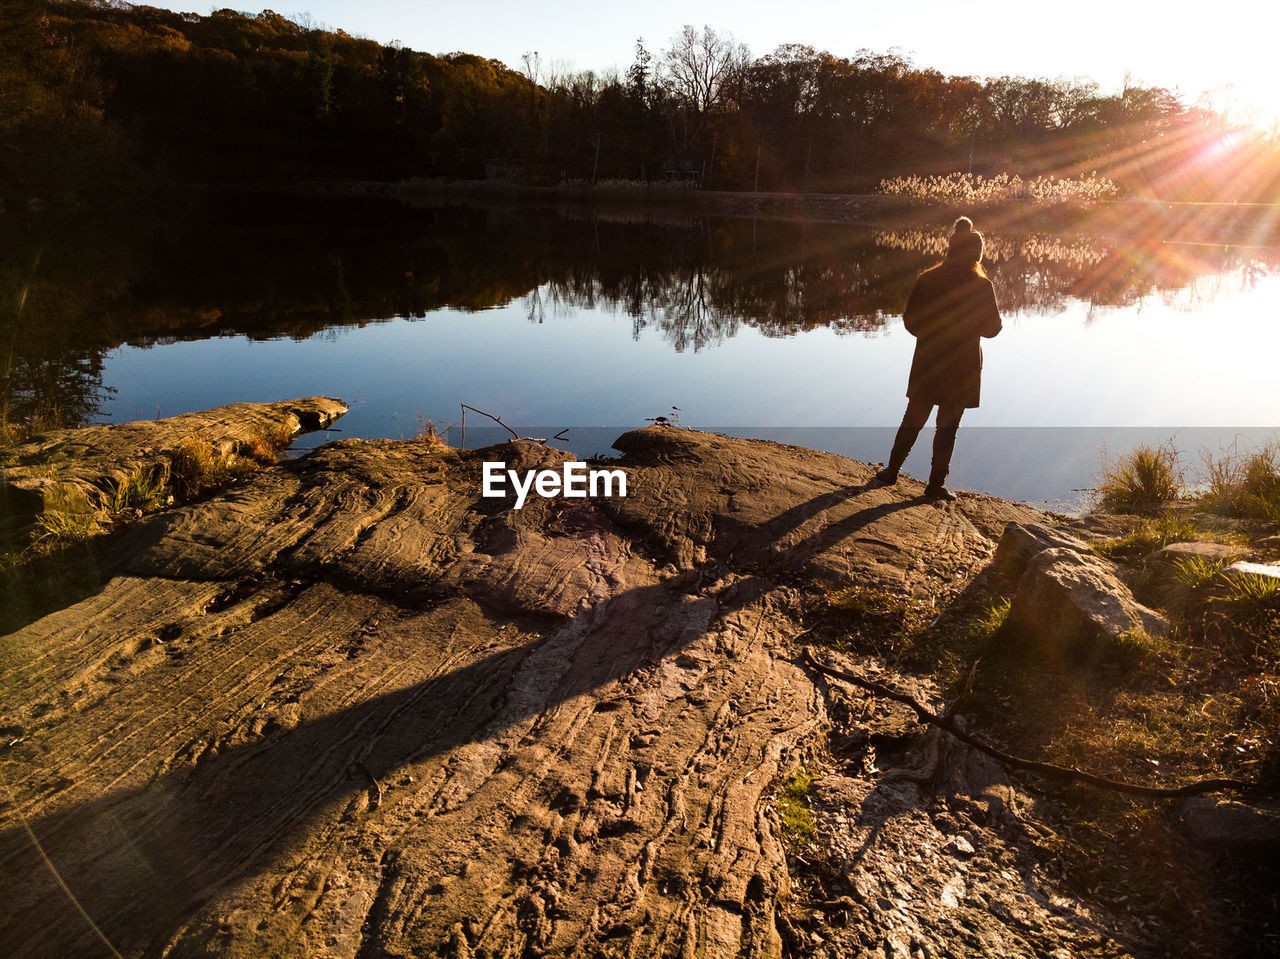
(765, 546)
(143, 860)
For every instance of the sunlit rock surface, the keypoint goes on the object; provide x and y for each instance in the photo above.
(351, 708)
(75, 470)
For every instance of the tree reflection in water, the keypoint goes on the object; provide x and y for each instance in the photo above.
(269, 267)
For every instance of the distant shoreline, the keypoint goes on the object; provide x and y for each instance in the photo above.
(1141, 218)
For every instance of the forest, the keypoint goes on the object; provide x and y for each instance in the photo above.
(103, 97)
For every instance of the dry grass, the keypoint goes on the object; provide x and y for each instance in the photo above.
(1151, 533)
(193, 469)
(435, 433)
(59, 563)
(196, 467)
(265, 448)
(57, 529)
(1191, 708)
(143, 490)
(965, 188)
(1245, 485)
(1201, 702)
(1247, 623)
(867, 619)
(1180, 708)
(1141, 481)
(14, 431)
(11, 434)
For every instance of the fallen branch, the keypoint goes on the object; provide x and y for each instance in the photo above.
(515, 437)
(947, 722)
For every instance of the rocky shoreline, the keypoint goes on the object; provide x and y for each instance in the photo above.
(349, 707)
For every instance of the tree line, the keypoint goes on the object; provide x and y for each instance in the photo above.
(95, 92)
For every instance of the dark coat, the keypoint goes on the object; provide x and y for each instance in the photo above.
(950, 308)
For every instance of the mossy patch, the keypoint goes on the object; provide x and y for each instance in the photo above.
(795, 807)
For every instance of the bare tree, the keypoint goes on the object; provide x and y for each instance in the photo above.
(531, 62)
(699, 71)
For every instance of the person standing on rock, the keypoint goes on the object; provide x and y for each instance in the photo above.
(951, 307)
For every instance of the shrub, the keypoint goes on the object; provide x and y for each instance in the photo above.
(1251, 596)
(434, 433)
(1241, 619)
(1197, 573)
(258, 450)
(1143, 480)
(1245, 485)
(189, 464)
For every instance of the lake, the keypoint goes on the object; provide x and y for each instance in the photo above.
(595, 324)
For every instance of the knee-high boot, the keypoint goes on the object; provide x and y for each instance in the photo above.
(944, 444)
(902, 444)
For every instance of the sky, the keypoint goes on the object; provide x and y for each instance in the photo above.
(1225, 46)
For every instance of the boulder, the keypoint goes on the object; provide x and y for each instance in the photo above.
(1231, 827)
(1021, 541)
(1067, 596)
(1068, 599)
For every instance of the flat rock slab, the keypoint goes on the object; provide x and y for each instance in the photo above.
(1261, 570)
(352, 708)
(1214, 552)
(1231, 827)
(69, 471)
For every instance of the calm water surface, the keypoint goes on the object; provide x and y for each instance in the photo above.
(783, 330)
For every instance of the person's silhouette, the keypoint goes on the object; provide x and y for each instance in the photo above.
(951, 307)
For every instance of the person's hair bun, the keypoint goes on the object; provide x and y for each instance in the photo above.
(966, 242)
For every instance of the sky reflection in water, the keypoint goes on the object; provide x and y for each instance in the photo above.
(754, 343)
